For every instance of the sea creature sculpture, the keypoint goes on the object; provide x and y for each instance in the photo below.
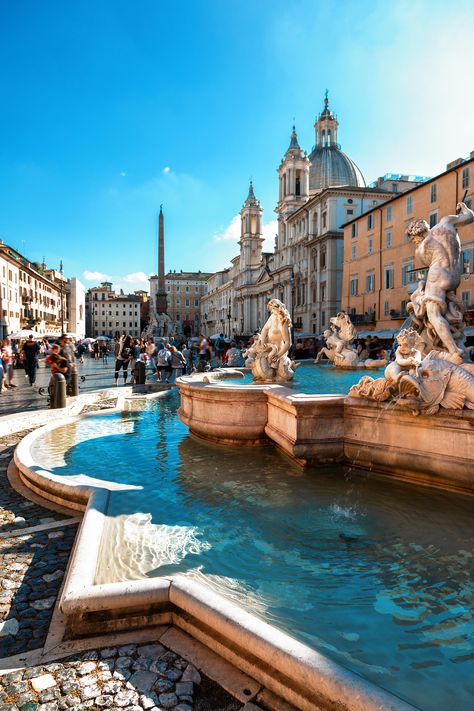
(437, 383)
(338, 349)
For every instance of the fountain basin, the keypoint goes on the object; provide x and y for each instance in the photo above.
(435, 450)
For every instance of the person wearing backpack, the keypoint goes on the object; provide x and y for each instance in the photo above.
(163, 364)
(124, 357)
(219, 348)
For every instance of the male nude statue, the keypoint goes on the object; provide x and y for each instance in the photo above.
(435, 302)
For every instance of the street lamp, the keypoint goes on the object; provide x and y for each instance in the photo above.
(62, 287)
(205, 321)
(229, 316)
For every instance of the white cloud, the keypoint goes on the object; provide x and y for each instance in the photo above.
(232, 233)
(95, 276)
(166, 170)
(123, 173)
(135, 278)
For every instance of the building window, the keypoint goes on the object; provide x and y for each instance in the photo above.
(353, 251)
(370, 246)
(465, 178)
(324, 219)
(322, 259)
(388, 277)
(388, 214)
(354, 229)
(187, 288)
(370, 222)
(466, 261)
(403, 307)
(466, 298)
(394, 187)
(187, 302)
(408, 276)
(388, 240)
(409, 204)
(354, 286)
(434, 191)
(386, 308)
(298, 183)
(370, 283)
(433, 218)
(350, 211)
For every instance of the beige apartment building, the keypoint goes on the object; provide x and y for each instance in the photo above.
(37, 299)
(380, 269)
(183, 294)
(111, 314)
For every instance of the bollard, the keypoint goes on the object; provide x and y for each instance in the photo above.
(73, 383)
(140, 372)
(58, 396)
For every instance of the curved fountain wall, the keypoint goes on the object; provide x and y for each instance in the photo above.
(284, 667)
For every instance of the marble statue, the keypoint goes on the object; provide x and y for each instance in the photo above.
(268, 355)
(339, 340)
(430, 369)
(339, 350)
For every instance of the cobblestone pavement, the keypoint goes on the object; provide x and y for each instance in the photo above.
(35, 544)
(25, 397)
(128, 677)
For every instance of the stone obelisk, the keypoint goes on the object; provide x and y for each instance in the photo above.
(161, 291)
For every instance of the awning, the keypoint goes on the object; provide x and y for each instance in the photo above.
(379, 334)
(469, 331)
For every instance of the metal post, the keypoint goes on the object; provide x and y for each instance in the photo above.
(58, 395)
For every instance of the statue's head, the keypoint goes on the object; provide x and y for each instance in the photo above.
(417, 230)
(327, 333)
(275, 306)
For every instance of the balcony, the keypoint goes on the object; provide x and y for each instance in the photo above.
(361, 319)
(393, 313)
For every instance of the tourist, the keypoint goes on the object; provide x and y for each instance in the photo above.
(219, 347)
(30, 352)
(96, 350)
(151, 353)
(204, 349)
(104, 352)
(234, 356)
(124, 357)
(375, 348)
(66, 350)
(80, 350)
(187, 353)
(178, 361)
(7, 358)
(163, 364)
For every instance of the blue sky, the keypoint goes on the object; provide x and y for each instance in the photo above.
(111, 107)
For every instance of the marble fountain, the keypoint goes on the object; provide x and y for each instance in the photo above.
(291, 569)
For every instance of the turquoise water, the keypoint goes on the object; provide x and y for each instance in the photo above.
(377, 575)
(310, 378)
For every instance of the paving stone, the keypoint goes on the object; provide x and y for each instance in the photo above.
(184, 687)
(49, 695)
(122, 675)
(9, 628)
(148, 701)
(44, 604)
(45, 681)
(112, 687)
(183, 707)
(57, 575)
(86, 668)
(173, 674)
(56, 534)
(108, 652)
(191, 674)
(48, 707)
(127, 650)
(105, 701)
(168, 701)
(18, 687)
(125, 698)
(142, 680)
(123, 663)
(90, 692)
(163, 685)
(151, 650)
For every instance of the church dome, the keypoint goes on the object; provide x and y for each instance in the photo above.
(329, 166)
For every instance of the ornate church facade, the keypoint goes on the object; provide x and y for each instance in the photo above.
(318, 193)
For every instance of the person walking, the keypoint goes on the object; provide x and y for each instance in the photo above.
(163, 364)
(219, 348)
(8, 358)
(30, 352)
(124, 357)
(178, 361)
